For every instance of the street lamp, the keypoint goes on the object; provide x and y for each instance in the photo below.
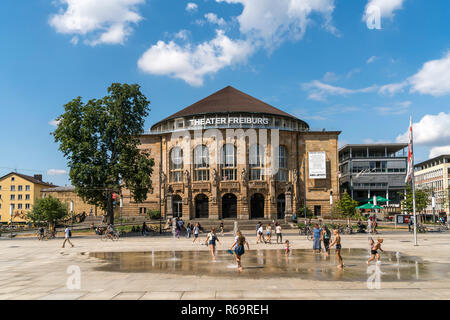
(71, 211)
(433, 205)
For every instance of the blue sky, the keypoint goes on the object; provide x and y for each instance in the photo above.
(316, 59)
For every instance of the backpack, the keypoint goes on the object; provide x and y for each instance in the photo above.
(327, 234)
(70, 233)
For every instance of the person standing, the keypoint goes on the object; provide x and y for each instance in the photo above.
(337, 242)
(326, 235)
(188, 230)
(67, 235)
(41, 232)
(278, 232)
(269, 233)
(317, 237)
(221, 228)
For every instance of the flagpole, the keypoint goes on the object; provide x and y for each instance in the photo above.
(413, 184)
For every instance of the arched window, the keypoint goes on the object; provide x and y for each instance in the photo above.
(282, 174)
(176, 164)
(201, 163)
(228, 162)
(256, 162)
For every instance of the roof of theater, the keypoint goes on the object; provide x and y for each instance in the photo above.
(229, 100)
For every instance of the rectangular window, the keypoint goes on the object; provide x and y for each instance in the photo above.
(27, 197)
(27, 206)
(13, 188)
(19, 188)
(142, 210)
(1, 186)
(27, 188)
(13, 197)
(19, 197)
(19, 206)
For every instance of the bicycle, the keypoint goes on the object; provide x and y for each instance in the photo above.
(306, 231)
(348, 230)
(108, 236)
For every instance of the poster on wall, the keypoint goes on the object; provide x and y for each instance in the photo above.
(317, 165)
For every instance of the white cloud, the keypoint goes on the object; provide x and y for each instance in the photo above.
(393, 88)
(192, 63)
(371, 59)
(212, 18)
(433, 78)
(438, 151)
(431, 130)
(53, 123)
(330, 77)
(320, 91)
(274, 21)
(191, 7)
(56, 172)
(386, 7)
(99, 21)
(380, 141)
(397, 109)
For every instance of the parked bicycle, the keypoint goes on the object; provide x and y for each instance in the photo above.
(307, 231)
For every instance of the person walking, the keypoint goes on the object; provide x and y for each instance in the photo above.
(337, 242)
(221, 228)
(317, 237)
(144, 229)
(211, 239)
(67, 235)
(260, 236)
(278, 233)
(196, 231)
(239, 250)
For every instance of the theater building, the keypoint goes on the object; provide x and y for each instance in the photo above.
(232, 156)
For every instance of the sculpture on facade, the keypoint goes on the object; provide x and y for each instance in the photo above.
(187, 177)
(244, 176)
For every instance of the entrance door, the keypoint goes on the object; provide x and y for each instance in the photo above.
(201, 206)
(317, 211)
(229, 206)
(281, 206)
(177, 204)
(257, 206)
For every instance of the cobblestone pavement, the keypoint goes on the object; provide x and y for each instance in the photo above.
(32, 269)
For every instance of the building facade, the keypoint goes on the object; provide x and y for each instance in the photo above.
(233, 156)
(67, 196)
(434, 175)
(368, 170)
(18, 193)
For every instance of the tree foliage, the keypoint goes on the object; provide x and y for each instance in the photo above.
(100, 140)
(423, 200)
(347, 206)
(49, 210)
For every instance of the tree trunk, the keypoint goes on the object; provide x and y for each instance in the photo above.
(109, 210)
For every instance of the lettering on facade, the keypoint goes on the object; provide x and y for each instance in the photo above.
(228, 121)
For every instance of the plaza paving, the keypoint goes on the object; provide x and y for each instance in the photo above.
(32, 269)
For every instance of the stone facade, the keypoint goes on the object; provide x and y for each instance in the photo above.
(66, 195)
(297, 144)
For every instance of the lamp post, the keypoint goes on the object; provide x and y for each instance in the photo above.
(433, 205)
(71, 211)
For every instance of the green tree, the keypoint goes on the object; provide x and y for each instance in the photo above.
(100, 140)
(347, 206)
(49, 210)
(423, 200)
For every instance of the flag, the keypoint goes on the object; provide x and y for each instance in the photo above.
(410, 170)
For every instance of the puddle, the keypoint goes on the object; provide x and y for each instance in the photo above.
(300, 263)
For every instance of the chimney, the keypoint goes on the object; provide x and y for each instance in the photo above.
(38, 177)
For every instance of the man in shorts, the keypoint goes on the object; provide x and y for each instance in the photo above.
(67, 235)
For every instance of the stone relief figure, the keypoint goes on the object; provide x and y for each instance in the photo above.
(187, 177)
(215, 177)
(170, 190)
(244, 176)
(295, 175)
(163, 178)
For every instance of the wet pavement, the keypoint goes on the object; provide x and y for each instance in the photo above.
(263, 264)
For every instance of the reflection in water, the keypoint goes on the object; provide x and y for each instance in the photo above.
(301, 264)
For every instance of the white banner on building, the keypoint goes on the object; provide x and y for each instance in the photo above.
(317, 165)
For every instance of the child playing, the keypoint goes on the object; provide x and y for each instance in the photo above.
(287, 248)
(374, 247)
